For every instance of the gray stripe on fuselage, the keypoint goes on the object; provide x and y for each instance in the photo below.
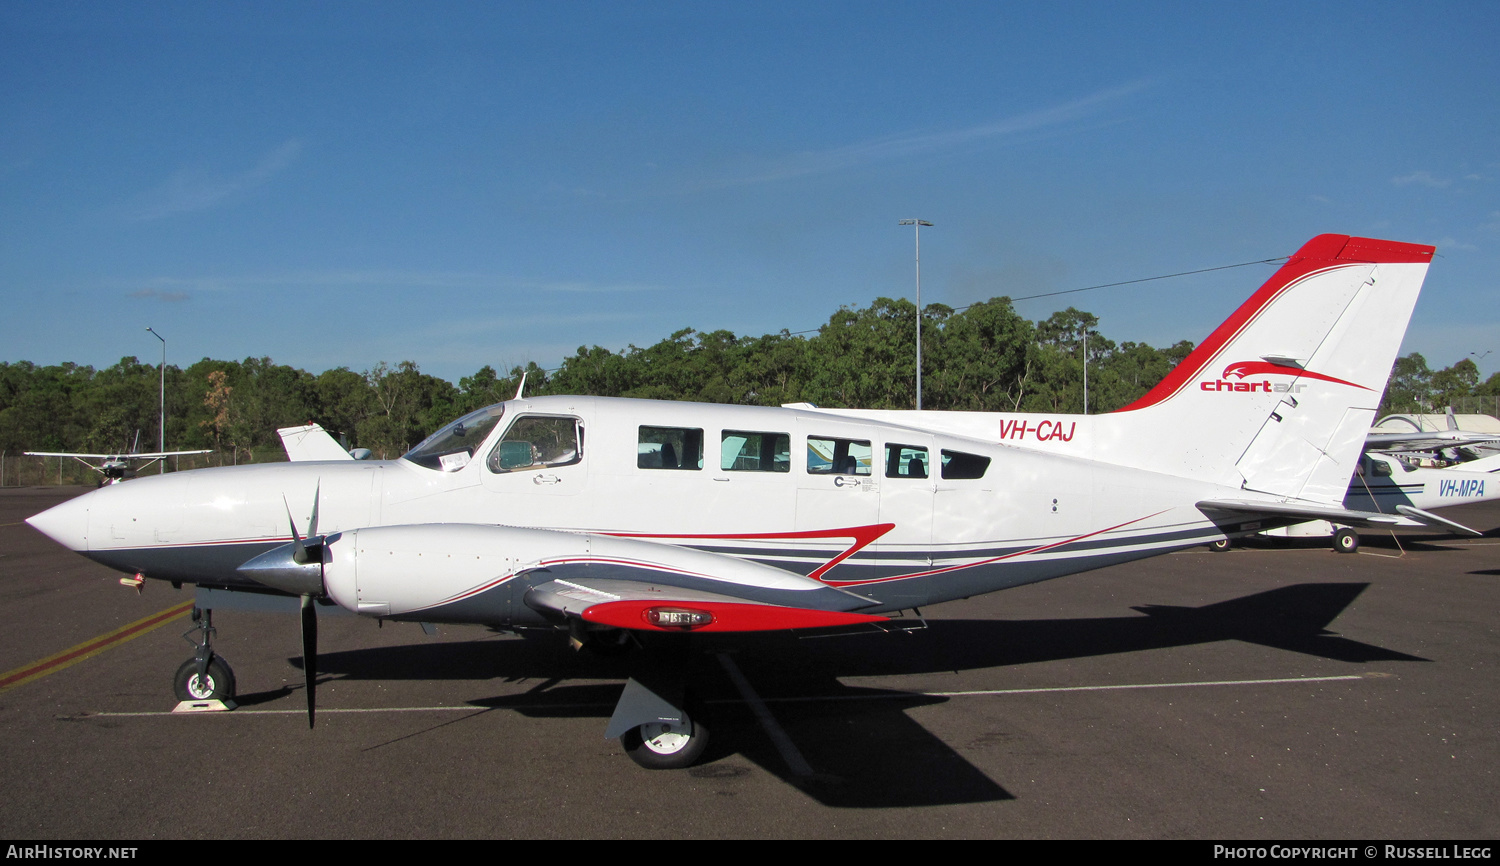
(199, 563)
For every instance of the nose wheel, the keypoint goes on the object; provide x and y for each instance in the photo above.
(205, 676)
(214, 684)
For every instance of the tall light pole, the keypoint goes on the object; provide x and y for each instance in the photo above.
(161, 437)
(918, 226)
(1085, 369)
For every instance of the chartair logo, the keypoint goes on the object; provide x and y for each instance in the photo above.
(1244, 370)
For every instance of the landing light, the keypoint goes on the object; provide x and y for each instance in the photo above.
(677, 617)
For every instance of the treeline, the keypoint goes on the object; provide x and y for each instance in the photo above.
(1416, 388)
(985, 357)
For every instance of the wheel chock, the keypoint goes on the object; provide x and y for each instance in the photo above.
(204, 706)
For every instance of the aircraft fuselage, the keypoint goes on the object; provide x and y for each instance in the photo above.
(896, 515)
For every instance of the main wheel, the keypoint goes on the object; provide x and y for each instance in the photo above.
(216, 685)
(1219, 546)
(1345, 540)
(660, 746)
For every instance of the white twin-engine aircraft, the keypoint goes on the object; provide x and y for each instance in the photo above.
(614, 519)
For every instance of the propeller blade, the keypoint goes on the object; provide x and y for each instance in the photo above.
(310, 654)
(312, 523)
(299, 550)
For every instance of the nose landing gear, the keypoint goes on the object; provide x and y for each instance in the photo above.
(205, 681)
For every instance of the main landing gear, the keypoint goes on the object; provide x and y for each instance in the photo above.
(651, 719)
(1345, 540)
(206, 676)
(653, 727)
(666, 745)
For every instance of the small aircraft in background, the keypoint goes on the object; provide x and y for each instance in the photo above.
(312, 442)
(120, 466)
(1420, 468)
(610, 521)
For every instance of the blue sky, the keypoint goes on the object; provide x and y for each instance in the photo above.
(461, 184)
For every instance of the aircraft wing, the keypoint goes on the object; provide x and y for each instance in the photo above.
(153, 455)
(1408, 516)
(635, 605)
(311, 442)
(1427, 441)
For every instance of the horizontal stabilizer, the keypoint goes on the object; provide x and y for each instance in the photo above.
(646, 607)
(1304, 510)
(1427, 518)
(1409, 516)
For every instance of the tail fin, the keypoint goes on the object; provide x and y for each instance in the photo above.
(1279, 398)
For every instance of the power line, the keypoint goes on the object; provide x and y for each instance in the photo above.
(1271, 261)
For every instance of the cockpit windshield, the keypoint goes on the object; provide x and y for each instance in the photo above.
(451, 448)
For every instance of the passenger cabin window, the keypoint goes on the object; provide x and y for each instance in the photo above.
(837, 456)
(451, 448)
(905, 461)
(750, 451)
(959, 466)
(538, 442)
(669, 448)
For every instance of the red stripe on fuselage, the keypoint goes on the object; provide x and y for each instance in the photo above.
(863, 537)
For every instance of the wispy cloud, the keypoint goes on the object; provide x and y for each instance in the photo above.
(177, 288)
(904, 146)
(1422, 178)
(194, 189)
(511, 324)
(158, 295)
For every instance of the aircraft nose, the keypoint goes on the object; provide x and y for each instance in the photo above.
(66, 523)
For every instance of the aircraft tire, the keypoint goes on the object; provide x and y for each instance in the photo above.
(657, 749)
(1220, 546)
(220, 685)
(1346, 540)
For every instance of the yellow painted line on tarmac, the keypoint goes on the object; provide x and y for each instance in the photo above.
(90, 648)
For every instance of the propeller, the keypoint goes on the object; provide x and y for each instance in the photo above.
(297, 569)
(305, 553)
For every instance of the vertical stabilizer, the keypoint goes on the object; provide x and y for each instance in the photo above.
(1279, 398)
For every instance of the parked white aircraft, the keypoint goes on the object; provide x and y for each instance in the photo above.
(117, 467)
(1388, 482)
(613, 517)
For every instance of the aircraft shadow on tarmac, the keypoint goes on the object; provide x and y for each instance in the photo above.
(863, 748)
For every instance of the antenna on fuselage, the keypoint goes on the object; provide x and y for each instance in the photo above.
(521, 387)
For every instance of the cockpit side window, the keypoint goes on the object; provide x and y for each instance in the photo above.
(451, 448)
(538, 442)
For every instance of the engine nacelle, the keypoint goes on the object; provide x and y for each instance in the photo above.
(469, 573)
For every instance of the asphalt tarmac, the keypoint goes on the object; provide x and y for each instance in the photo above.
(1271, 692)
